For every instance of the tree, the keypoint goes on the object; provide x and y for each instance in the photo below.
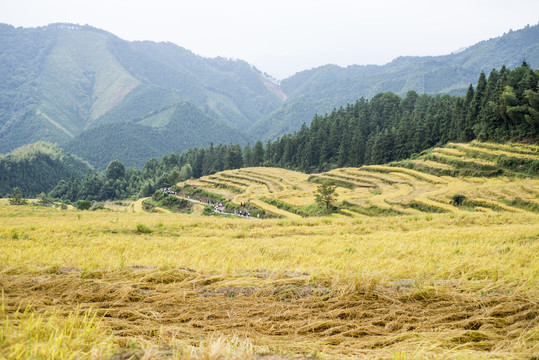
(45, 200)
(186, 172)
(17, 198)
(233, 157)
(247, 156)
(84, 205)
(115, 170)
(258, 154)
(174, 177)
(325, 194)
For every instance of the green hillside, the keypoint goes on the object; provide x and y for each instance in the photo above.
(37, 168)
(320, 90)
(142, 102)
(60, 80)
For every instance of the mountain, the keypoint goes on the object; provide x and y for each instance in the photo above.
(320, 90)
(104, 98)
(59, 81)
(38, 167)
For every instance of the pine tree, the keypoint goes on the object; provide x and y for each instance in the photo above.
(465, 133)
(258, 154)
(233, 157)
(247, 156)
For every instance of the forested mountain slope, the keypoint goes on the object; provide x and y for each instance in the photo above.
(185, 126)
(320, 90)
(503, 106)
(60, 80)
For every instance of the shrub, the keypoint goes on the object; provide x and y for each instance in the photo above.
(84, 205)
(171, 200)
(97, 206)
(45, 200)
(148, 206)
(158, 195)
(458, 199)
(208, 210)
(143, 229)
(17, 198)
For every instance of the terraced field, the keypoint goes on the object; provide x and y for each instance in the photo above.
(491, 177)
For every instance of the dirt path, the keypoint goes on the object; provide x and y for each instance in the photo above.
(137, 205)
(137, 208)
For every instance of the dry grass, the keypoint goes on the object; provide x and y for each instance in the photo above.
(436, 286)
(496, 151)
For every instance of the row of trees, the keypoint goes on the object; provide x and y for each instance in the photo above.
(120, 183)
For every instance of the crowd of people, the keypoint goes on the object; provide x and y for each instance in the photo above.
(242, 213)
(219, 207)
(168, 190)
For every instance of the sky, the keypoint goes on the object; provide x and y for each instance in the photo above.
(282, 37)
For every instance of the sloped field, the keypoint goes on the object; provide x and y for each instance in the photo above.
(491, 177)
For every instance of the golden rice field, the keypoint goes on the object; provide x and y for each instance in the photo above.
(424, 185)
(461, 283)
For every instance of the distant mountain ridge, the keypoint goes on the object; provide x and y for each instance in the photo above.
(104, 98)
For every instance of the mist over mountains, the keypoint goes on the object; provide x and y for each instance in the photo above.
(104, 98)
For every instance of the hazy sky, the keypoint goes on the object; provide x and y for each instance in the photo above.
(282, 37)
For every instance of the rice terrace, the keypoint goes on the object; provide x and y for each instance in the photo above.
(432, 257)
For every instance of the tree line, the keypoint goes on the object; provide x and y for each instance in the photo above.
(117, 182)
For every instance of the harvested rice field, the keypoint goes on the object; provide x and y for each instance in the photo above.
(90, 285)
(491, 177)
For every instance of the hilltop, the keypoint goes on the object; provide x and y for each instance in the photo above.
(63, 81)
(322, 89)
(38, 167)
